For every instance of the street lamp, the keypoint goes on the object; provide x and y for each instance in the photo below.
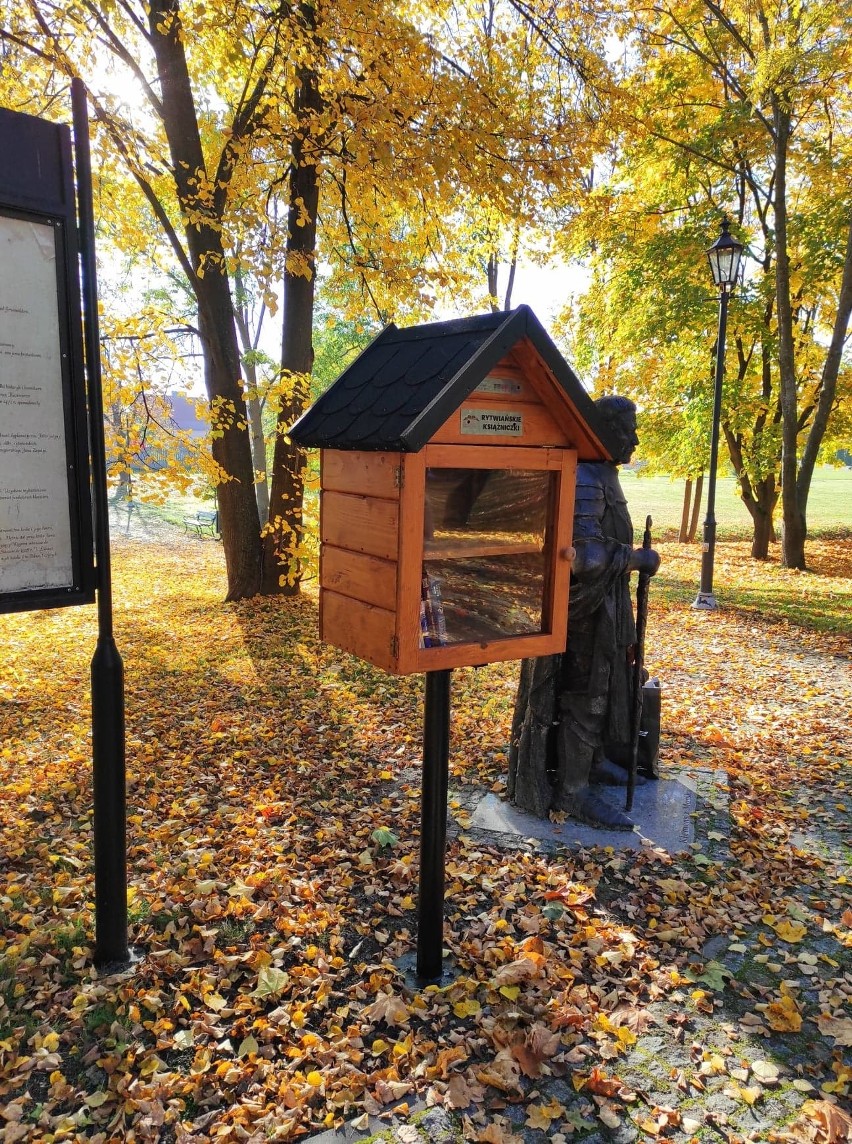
(724, 258)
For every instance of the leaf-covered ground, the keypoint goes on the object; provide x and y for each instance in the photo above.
(273, 826)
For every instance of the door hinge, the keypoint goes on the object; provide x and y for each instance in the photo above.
(394, 647)
(399, 477)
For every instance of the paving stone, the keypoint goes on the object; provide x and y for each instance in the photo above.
(564, 1092)
(626, 1134)
(439, 1127)
(715, 946)
(716, 1101)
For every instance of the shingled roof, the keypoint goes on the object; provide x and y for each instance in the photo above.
(407, 382)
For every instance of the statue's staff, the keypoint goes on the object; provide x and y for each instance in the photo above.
(638, 668)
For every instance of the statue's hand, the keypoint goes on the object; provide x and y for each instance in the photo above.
(592, 559)
(644, 560)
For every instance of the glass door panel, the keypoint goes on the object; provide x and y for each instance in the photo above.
(484, 554)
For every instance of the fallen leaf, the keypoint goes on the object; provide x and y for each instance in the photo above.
(541, 1115)
(790, 931)
(502, 1073)
(467, 1008)
(408, 1134)
(783, 1015)
(494, 1133)
(715, 975)
(271, 982)
(840, 1028)
(388, 1007)
(597, 1082)
(765, 1071)
(834, 1123)
(458, 1094)
(608, 1114)
(515, 972)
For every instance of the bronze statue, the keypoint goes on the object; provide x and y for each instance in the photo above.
(571, 727)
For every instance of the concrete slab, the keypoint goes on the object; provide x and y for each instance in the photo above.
(662, 812)
(349, 1134)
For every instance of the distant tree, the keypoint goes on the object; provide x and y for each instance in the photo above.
(337, 340)
(190, 80)
(261, 376)
(260, 139)
(143, 366)
(730, 110)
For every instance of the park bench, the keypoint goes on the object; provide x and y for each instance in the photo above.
(202, 523)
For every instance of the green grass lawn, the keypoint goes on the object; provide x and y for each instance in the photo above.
(829, 504)
(820, 600)
(171, 510)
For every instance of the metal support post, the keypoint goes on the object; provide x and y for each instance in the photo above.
(433, 826)
(705, 600)
(108, 736)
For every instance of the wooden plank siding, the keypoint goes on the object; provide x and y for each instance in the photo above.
(531, 402)
(359, 628)
(360, 523)
(373, 512)
(358, 575)
(361, 472)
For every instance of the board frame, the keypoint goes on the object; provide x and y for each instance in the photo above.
(37, 185)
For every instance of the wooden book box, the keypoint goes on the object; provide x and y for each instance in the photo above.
(448, 464)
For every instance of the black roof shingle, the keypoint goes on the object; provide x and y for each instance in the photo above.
(407, 382)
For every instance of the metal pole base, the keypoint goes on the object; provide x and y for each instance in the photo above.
(706, 602)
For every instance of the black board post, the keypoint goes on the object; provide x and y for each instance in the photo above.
(433, 825)
(108, 734)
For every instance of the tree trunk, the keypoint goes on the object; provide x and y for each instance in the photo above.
(761, 536)
(238, 519)
(689, 522)
(258, 446)
(254, 406)
(794, 528)
(491, 274)
(513, 267)
(828, 382)
(283, 533)
(684, 516)
(759, 497)
(696, 508)
(124, 488)
(492, 271)
(765, 500)
(239, 523)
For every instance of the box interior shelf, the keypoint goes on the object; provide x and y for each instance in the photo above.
(457, 549)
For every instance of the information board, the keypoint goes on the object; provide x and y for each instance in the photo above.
(35, 528)
(45, 516)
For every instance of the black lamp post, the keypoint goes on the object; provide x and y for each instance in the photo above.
(724, 258)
